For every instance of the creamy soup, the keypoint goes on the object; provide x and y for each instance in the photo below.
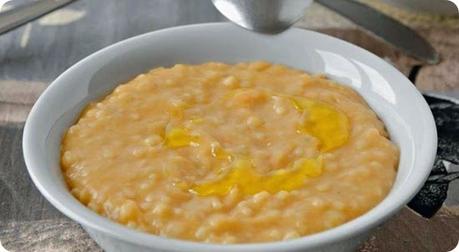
(252, 152)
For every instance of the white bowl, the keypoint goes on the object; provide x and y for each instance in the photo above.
(388, 92)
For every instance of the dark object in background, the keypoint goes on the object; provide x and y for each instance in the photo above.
(432, 195)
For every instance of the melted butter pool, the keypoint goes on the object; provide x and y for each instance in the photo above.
(249, 182)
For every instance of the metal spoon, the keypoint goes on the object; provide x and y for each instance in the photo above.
(274, 16)
(266, 16)
(20, 15)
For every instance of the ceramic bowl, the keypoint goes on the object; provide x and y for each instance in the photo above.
(393, 97)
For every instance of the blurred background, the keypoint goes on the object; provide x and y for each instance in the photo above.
(33, 55)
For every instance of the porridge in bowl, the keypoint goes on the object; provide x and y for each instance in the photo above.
(252, 152)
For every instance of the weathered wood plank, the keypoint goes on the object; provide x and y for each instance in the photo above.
(50, 49)
(20, 200)
(17, 98)
(444, 76)
(410, 232)
(45, 236)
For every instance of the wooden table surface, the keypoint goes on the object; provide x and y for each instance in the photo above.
(34, 55)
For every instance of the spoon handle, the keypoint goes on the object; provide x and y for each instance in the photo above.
(386, 28)
(20, 15)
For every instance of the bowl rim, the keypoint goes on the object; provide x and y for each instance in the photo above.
(353, 227)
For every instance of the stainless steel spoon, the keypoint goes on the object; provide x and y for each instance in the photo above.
(266, 16)
(274, 16)
(20, 15)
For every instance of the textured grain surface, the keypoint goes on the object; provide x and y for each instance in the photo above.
(32, 56)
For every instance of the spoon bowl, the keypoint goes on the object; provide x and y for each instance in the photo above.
(265, 16)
